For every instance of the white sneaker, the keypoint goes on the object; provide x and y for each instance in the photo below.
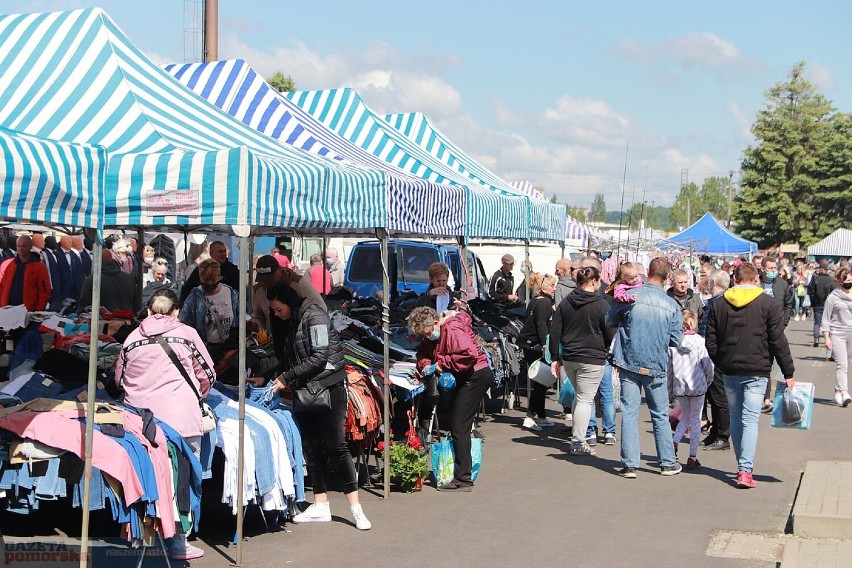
(530, 424)
(362, 523)
(545, 423)
(316, 513)
(796, 318)
(838, 398)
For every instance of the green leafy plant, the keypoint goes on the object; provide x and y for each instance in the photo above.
(407, 462)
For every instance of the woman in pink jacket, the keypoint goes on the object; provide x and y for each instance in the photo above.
(145, 372)
(448, 345)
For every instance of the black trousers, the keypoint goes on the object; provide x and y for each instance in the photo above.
(538, 392)
(324, 439)
(720, 427)
(465, 401)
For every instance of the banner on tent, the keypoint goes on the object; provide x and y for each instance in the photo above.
(173, 202)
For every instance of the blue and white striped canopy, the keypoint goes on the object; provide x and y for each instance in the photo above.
(51, 182)
(173, 158)
(489, 214)
(416, 206)
(838, 243)
(547, 220)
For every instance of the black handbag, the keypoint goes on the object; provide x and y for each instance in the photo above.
(311, 398)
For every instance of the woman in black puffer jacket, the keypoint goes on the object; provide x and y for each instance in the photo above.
(310, 351)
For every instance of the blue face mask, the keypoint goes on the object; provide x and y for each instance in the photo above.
(772, 275)
(436, 333)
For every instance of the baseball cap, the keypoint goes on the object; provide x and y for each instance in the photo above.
(267, 265)
(508, 259)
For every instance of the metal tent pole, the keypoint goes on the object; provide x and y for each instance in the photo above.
(91, 389)
(383, 237)
(244, 270)
(527, 260)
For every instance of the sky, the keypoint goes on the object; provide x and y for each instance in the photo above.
(577, 97)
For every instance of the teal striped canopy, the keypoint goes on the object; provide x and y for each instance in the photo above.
(51, 182)
(547, 220)
(490, 214)
(416, 206)
(173, 158)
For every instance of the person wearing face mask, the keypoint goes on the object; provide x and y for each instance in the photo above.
(837, 329)
(335, 266)
(780, 290)
(448, 344)
(212, 308)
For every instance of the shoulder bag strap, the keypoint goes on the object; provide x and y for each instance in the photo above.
(167, 348)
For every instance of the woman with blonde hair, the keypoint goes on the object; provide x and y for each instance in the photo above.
(533, 341)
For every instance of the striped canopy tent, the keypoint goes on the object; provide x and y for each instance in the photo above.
(838, 243)
(173, 158)
(547, 220)
(416, 206)
(488, 214)
(527, 188)
(51, 182)
(576, 231)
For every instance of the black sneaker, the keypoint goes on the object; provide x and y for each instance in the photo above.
(718, 444)
(455, 485)
(592, 440)
(670, 469)
(767, 408)
(816, 343)
(627, 472)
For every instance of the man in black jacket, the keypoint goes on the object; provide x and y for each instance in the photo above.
(230, 271)
(717, 438)
(819, 288)
(502, 285)
(745, 333)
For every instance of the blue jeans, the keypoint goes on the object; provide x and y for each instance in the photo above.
(745, 397)
(657, 398)
(608, 404)
(817, 322)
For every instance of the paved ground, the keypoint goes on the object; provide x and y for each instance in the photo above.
(533, 505)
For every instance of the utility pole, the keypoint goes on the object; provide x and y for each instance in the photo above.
(210, 41)
(730, 194)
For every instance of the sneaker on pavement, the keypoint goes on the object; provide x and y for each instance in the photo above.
(362, 523)
(846, 400)
(669, 470)
(693, 463)
(838, 398)
(454, 485)
(796, 318)
(545, 423)
(609, 439)
(627, 472)
(179, 549)
(816, 343)
(718, 444)
(581, 449)
(745, 480)
(564, 416)
(530, 424)
(316, 513)
(767, 408)
(592, 440)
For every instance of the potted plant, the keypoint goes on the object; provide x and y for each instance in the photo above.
(408, 466)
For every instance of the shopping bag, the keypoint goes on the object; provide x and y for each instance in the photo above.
(443, 463)
(566, 392)
(443, 459)
(794, 407)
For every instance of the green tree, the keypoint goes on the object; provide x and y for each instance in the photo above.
(578, 213)
(687, 207)
(714, 198)
(281, 82)
(598, 212)
(784, 174)
(834, 197)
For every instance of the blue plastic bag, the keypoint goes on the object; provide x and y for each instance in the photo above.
(443, 459)
(803, 396)
(566, 393)
(447, 381)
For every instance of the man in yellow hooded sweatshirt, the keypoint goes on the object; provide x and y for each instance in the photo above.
(744, 334)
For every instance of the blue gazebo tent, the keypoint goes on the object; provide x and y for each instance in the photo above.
(709, 236)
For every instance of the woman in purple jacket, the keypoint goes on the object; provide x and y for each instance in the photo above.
(448, 344)
(146, 373)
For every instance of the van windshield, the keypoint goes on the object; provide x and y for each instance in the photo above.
(365, 264)
(416, 261)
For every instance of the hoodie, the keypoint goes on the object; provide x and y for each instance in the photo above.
(579, 323)
(745, 332)
(837, 316)
(690, 368)
(150, 379)
(564, 287)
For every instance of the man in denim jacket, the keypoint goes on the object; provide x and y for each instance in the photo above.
(647, 327)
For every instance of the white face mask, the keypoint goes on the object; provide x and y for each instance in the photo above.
(149, 260)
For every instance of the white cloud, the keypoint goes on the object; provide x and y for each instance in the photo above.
(821, 76)
(742, 124)
(703, 51)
